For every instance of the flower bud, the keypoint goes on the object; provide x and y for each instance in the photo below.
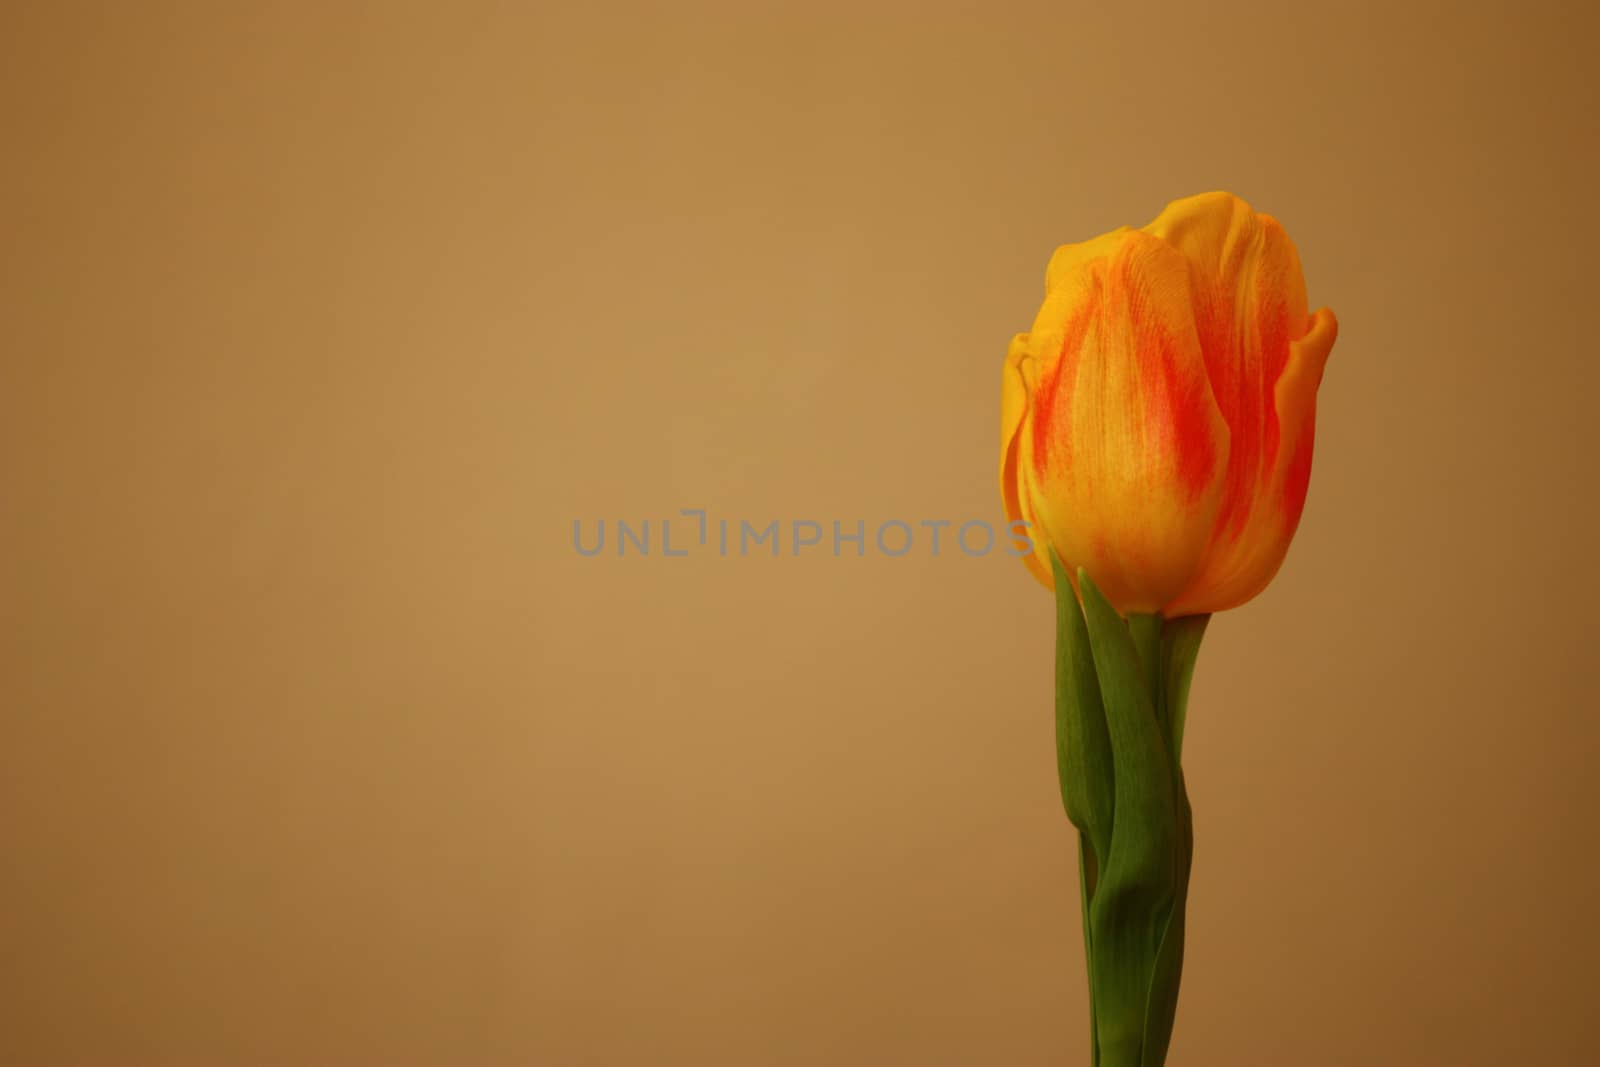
(1157, 420)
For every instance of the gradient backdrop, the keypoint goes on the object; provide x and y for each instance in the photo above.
(320, 745)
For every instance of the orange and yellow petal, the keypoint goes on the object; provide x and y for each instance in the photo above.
(1013, 416)
(1259, 552)
(1250, 312)
(1121, 450)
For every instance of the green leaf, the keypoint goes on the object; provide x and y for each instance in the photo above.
(1083, 759)
(1083, 745)
(1139, 878)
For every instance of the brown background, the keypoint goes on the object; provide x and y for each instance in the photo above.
(321, 745)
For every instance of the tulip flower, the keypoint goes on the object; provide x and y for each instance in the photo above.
(1157, 421)
(1156, 435)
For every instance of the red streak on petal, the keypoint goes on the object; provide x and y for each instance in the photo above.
(1224, 358)
(1274, 325)
(1189, 412)
(1297, 476)
(1177, 412)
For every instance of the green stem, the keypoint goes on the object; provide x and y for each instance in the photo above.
(1146, 633)
(1180, 646)
(1121, 687)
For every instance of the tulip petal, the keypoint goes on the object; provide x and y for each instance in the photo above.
(1068, 259)
(1120, 449)
(1249, 298)
(1013, 414)
(1296, 400)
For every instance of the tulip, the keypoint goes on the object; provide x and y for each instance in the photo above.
(1157, 421)
(1156, 433)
